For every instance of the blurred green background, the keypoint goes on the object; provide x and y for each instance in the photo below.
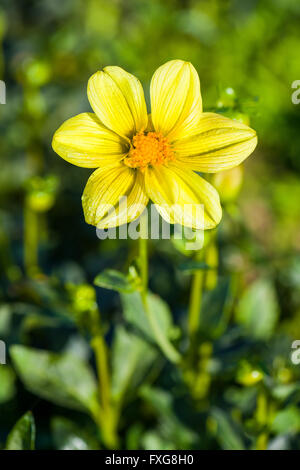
(242, 390)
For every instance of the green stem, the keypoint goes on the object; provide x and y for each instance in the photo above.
(107, 418)
(195, 299)
(261, 415)
(143, 253)
(99, 348)
(212, 260)
(167, 348)
(31, 239)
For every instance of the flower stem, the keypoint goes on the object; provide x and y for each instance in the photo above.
(196, 299)
(31, 238)
(143, 253)
(108, 417)
(99, 348)
(261, 415)
(167, 348)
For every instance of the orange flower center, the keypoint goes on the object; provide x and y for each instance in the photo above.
(151, 149)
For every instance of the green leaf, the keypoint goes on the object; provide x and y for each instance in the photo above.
(69, 436)
(172, 428)
(155, 324)
(282, 442)
(135, 314)
(114, 280)
(152, 440)
(22, 435)
(131, 359)
(63, 379)
(287, 420)
(258, 309)
(189, 267)
(284, 391)
(226, 434)
(7, 383)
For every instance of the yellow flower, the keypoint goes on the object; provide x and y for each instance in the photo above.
(151, 156)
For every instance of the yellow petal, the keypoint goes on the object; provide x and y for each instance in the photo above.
(103, 198)
(176, 101)
(84, 141)
(117, 98)
(219, 143)
(181, 196)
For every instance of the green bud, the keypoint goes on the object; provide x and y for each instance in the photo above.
(228, 183)
(41, 192)
(83, 297)
(248, 375)
(36, 72)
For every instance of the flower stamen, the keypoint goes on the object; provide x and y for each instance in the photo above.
(149, 149)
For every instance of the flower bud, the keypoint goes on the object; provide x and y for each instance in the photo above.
(41, 193)
(228, 183)
(248, 375)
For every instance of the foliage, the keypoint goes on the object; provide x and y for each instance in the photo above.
(234, 385)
